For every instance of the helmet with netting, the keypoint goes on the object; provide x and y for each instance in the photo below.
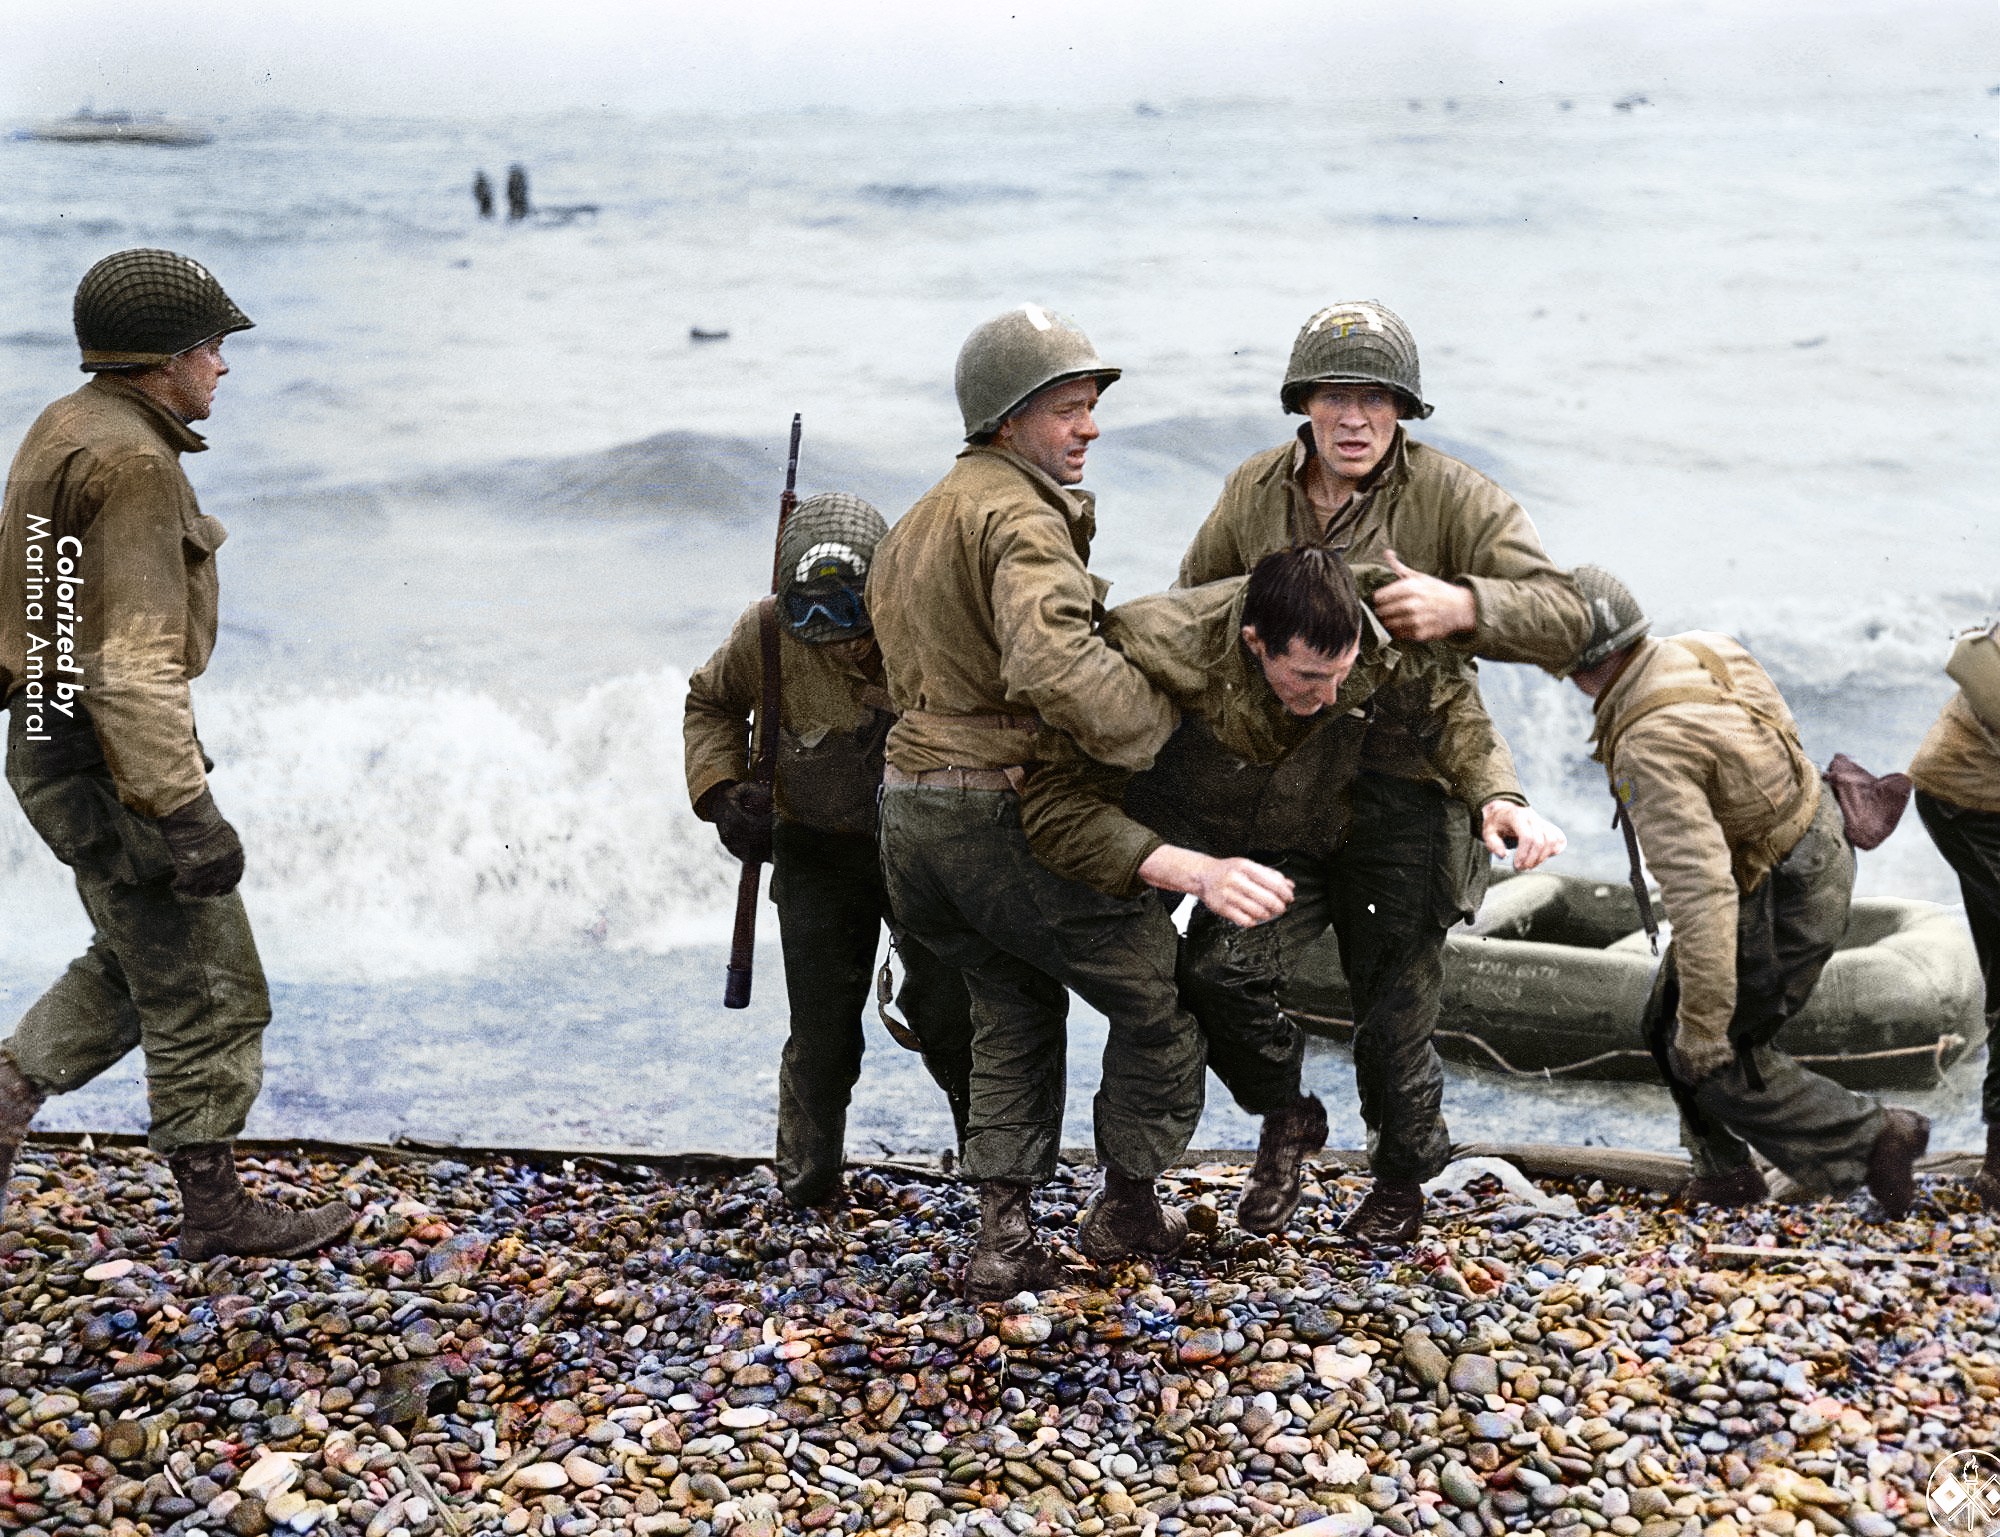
(1359, 342)
(1014, 355)
(1616, 620)
(823, 559)
(139, 308)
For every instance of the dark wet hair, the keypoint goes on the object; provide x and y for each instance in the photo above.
(1304, 593)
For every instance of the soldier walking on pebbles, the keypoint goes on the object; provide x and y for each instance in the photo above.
(1957, 775)
(833, 715)
(985, 610)
(108, 603)
(1279, 677)
(1756, 873)
(1471, 573)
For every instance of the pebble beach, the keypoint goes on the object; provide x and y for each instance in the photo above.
(580, 1345)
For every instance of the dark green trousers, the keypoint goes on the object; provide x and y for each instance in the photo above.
(1815, 1131)
(961, 879)
(1970, 843)
(1389, 893)
(831, 908)
(179, 979)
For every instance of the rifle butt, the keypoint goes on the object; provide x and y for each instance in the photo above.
(743, 940)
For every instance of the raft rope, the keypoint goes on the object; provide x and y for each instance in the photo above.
(1937, 1051)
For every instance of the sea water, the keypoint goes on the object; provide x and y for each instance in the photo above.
(490, 503)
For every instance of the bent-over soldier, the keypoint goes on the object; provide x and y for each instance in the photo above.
(833, 715)
(1756, 875)
(1470, 572)
(985, 610)
(1957, 775)
(108, 602)
(1278, 678)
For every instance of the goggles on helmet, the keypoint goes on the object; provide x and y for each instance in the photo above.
(842, 607)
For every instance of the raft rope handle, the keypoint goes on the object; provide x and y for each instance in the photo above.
(1935, 1051)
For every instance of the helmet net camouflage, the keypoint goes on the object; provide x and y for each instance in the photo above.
(1015, 354)
(137, 309)
(828, 544)
(1616, 620)
(1360, 342)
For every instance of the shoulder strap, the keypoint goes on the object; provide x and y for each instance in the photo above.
(768, 716)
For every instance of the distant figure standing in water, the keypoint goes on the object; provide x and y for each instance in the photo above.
(517, 191)
(482, 194)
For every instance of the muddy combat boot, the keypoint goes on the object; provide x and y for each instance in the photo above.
(1892, 1161)
(219, 1217)
(1007, 1258)
(19, 1100)
(1986, 1183)
(1742, 1186)
(1271, 1191)
(1127, 1219)
(1388, 1216)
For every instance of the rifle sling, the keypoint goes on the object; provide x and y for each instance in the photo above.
(768, 715)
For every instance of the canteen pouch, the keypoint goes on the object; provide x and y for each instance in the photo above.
(1975, 668)
(1869, 806)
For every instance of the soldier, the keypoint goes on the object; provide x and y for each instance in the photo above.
(984, 607)
(1470, 571)
(107, 611)
(1279, 677)
(1957, 774)
(833, 715)
(1755, 871)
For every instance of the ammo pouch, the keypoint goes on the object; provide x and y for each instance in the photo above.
(829, 781)
(1975, 668)
(1870, 807)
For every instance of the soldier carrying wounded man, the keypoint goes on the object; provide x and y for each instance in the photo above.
(1279, 679)
(985, 609)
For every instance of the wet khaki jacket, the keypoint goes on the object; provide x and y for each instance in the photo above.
(985, 613)
(98, 480)
(1717, 796)
(1440, 515)
(1959, 760)
(1241, 774)
(833, 717)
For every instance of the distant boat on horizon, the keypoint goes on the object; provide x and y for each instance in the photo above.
(85, 126)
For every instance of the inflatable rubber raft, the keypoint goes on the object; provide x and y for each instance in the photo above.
(1552, 977)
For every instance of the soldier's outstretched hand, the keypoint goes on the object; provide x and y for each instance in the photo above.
(1420, 607)
(1241, 890)
(1532, 836)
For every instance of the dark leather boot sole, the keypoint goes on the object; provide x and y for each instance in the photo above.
(1272, 1190)
(996, 1277)
(270, 1232)
(1105, 1237)
(1892, 1161)
(1379, 1223)
(1739, 1187)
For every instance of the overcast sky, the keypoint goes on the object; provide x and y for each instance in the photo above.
(453, 56)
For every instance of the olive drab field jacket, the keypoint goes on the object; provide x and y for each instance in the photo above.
(1959, 760)
(986, 616)
(1718, 789)
(98, 483)
(1440, 515)
(833, 719)
(1241, 774)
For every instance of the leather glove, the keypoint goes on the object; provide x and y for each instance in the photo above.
(207, 854)
(1696, 1056)
(741, 812)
